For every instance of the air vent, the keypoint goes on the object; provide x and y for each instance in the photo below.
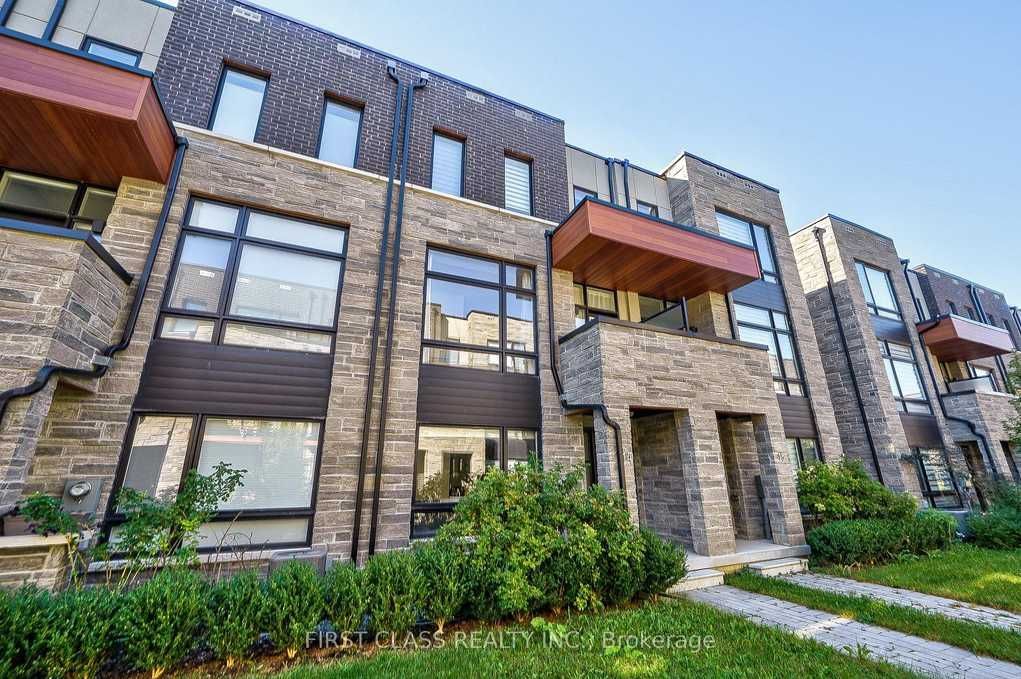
(849, 229)
(721, 174)
(349, 51)
(475, 96)
(246, 13)
(524, 115)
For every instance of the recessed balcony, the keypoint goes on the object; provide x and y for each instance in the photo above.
(953, 338)
(73, 116)
(610, 247)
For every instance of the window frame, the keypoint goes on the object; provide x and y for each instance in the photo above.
(591, 315)
(928, 493)
(250, 72)
(772, 276)
(37, 217)
(89, 41)
(588, 194)
(222, 316)
(346, 103)
(776, 331)
(529, 164)
(653, 208)
(896, 390)
(449, 506)
(800, 448)
(463, 141)
(195, 437)
(502, 289)
(870, 298)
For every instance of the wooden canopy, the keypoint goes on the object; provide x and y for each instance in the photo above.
(953, 338)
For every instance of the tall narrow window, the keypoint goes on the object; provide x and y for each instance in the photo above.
(338, 140)
(238, 104)
(754, 235)
(878, 290)
(934, 476)
(803, 452)
(448, 165)
(905, 378)
(772, 328)
(517, 185)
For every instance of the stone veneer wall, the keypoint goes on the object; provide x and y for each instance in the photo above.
(33, 560)
(662, 504)
(990, 413)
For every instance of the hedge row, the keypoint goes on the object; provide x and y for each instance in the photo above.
(872, 541)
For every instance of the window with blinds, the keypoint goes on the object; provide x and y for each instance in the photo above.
(448, 165)
(517, 185)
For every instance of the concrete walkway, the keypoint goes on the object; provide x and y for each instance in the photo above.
(919, 655)
(904, 597)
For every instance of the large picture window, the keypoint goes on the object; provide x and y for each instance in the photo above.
(934, 477)
(905, 378)
(878, 290)
(772, 328)
(42, 200)
(249, 278)
(752, 234)
(479, 313)
(238, 105)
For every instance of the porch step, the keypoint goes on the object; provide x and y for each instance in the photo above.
(779, 567)
(700, 579)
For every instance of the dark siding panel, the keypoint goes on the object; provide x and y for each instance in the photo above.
(761, 293)
(889, 329)
(192, 377)
(921, 431)
(477, 397)
(796, 412)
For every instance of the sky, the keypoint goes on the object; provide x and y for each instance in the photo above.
(902, 117)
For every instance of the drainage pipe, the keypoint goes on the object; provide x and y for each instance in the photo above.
(611, 174)
(627, 188)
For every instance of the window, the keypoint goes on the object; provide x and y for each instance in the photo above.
(803, 452)
(43, 200)
(878, 290)
(952, 307)
(581, 194)
(479, 313)
(517, 185)
(590, 303)
(648, 209)
(754, 235)
(651, 306)
(121, 55)
(905, 379)
(254, 279)
(934, 477)
(772, 328)
(238, 104)
(338, 138)
(274, 503)
(448, 164)
(449, 458)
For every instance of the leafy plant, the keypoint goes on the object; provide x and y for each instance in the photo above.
(396, 590)
(82, 632)
(871, 541)
(620, 561)
(843, 490)
(663, 564)
(24, 617)
(236, 607)
(162, 620)
(1013, 424)
(46, 515)
(440, 566)
(345, 599)
(294, 605)
(1000, 527)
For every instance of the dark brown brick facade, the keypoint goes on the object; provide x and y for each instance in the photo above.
(304, 64)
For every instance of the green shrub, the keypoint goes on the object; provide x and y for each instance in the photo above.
(871, 541)
(663, 564)
(82, 632)
(620, 561)
(1000, 527)
(440, 566)
(396, 590)
(46, 516)
(344, 597)
(24, 619)
(843, 490)
(293, 606)
(236, 606)
(162, 619)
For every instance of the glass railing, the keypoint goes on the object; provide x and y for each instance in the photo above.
(982, 385)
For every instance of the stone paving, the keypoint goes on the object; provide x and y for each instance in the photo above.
(904, 597)
(919, 655)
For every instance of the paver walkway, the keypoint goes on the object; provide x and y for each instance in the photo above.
(905, 597)
(919, 655)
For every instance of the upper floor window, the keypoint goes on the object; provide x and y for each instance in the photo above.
(479, 313)
(255, 279)
(803, 452)
(952, 307)
(772, 328)
(54, 202)
(238, 104)
(905, 378)
(878, 290)
(648, 209)
(338, 138)
(754, 235)
(581, 194)
(448, 164)
(651, 306)
(517, 185)
(121, 55)
(590, 302)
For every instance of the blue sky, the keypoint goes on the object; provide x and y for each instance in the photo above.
(905, 119)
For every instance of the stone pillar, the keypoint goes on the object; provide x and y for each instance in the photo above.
(712, 528)
(778, 482)
(741, 462)
(708, 314)
(606, 456)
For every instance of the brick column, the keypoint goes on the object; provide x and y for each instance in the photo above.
(606, 456)
(712, 527)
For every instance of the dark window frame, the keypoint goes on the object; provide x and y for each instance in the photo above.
(870, 298)
(251, 72)
(653, 208)
(463, 141)
(928, 493)
(222, 316)
(799, 446)
(530, 163)
(772, 276)
(81, 188)
(887, 355)
(789, 333)
(502, 289)
(591, 312)
(89, 41)
(588, 194)
(346, 103)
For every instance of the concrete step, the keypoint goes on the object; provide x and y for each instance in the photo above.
(779, 566)
(700, 579)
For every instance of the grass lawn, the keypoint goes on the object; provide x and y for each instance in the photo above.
(739, 649)
(975, 637)
(989, 577)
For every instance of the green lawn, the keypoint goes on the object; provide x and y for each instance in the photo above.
(739, 649)
(989, 577)
(975, 637)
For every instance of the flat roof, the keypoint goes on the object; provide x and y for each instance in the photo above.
(710, 163)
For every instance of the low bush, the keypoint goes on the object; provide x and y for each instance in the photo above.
(396, 590)
(1000, 527)
(162, 620)
(620, 561)
(24, 619)
(293, 605)
(440, 566)
(871, 541)
(843, 490)
(236, 606)
(82, 632)
(663, 564)
(344, 599)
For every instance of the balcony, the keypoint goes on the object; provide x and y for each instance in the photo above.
(73, 116)
(953, 338)
(983, 384)
(610, 247)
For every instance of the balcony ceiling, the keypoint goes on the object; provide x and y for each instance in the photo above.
(952, 338)
(610, 247)
(72, 117)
